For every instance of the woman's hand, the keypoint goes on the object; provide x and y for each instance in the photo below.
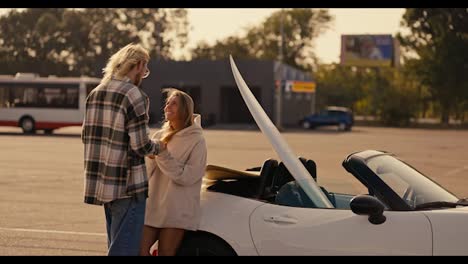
(162, 146)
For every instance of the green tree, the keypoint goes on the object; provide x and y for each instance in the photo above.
(301, 26)
(74, 41)
(339, 85)
(396, 98)
(439, 38)
(390, 94)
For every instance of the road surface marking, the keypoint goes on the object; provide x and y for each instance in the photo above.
(52, 231)
(455, 171)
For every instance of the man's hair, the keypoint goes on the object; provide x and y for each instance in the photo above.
(124, 60)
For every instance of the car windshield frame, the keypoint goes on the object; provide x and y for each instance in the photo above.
(411, 185)
(357, 164)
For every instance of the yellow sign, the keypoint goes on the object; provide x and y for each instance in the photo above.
(300, 87)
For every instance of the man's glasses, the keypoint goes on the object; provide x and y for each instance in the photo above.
(146, 74)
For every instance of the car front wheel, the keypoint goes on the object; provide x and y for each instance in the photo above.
(341, 126)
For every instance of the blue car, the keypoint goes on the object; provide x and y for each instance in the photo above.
(331, 116)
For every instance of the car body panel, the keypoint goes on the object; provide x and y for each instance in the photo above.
(226, 216)
(331, 116)
(281, 230)
(450, 232)
(261, 227)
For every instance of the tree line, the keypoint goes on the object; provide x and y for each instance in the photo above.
(432, 81)
(70, 42)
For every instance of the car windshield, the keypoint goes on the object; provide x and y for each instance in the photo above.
(412, 186)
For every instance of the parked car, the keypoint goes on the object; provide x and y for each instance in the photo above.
(266, 213)
(331, 116)
(279, 208)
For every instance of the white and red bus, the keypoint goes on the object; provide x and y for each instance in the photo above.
(43, 103)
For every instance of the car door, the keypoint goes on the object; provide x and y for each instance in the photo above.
(322, 118)
(282, 230)
(334, 117)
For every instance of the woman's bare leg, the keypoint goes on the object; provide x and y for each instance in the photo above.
(148, 238)
(169, 241)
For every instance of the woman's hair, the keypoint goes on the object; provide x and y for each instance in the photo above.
(124, 60)
(185, 112)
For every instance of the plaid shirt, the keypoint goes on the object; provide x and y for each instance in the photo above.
(116, 139)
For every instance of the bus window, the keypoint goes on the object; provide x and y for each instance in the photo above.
(41, 98)
(55, 97)
(59, 97)
(23, 96)
(4, 97)
(44, 97)
(89, 88)
(72, 97)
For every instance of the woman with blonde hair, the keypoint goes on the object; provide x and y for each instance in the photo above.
(175, 177)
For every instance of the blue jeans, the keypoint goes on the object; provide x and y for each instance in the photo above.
(124, 221)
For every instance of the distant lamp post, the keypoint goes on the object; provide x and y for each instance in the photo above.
(279, 90)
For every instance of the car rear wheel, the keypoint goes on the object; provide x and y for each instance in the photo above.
(306, 124)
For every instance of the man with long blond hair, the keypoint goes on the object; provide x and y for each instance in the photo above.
(115, 137)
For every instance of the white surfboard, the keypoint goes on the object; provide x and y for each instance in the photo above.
(297, 169)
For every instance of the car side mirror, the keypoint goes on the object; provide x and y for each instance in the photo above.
(368, 205)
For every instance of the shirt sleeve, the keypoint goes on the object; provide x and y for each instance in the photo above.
(137, 125)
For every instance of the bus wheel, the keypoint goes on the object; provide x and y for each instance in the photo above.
(48, 131)
(27, 124)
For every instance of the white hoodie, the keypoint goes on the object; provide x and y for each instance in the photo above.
(175, 179)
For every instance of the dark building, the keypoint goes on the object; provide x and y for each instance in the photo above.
(214, 91)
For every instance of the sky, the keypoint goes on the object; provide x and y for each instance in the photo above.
(211, 24)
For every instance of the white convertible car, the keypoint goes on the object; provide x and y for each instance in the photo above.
(278, 208)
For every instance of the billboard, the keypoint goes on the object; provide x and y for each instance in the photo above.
(367, 50)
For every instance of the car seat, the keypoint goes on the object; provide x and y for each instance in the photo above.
(291, 194)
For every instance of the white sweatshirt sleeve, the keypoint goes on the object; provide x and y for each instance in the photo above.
(188, 173)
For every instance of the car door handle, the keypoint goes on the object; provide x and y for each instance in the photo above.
(280, 219)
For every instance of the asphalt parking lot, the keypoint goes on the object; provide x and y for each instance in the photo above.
(41, 176)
